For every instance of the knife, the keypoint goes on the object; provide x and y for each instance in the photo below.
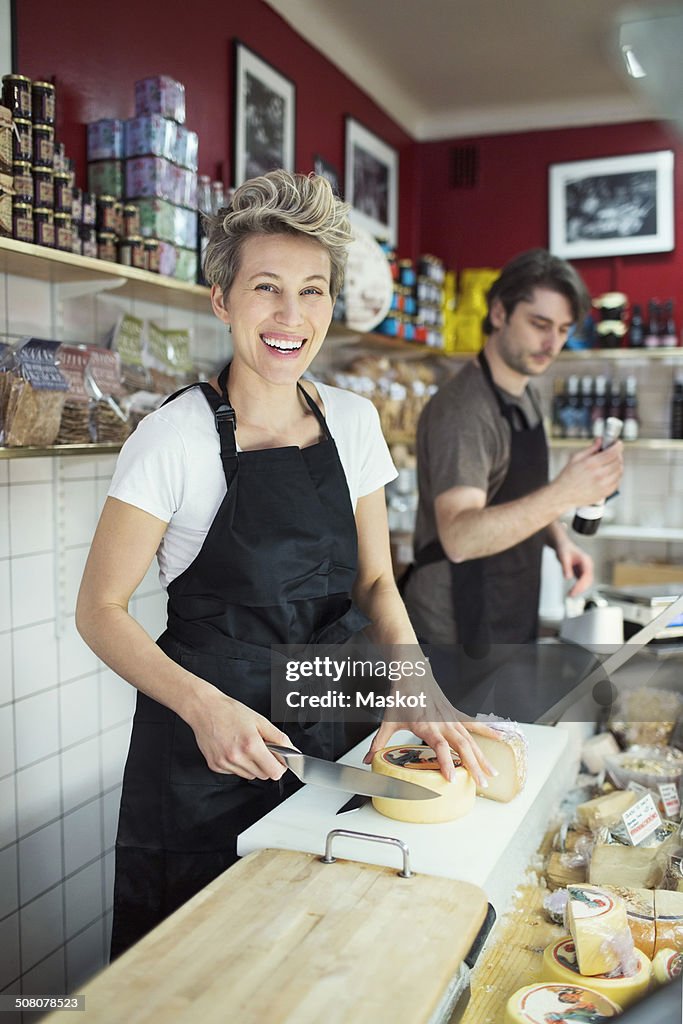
(317, 772)
(354, 804)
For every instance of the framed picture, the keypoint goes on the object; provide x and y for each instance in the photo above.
(612, 207)
(8, 56)
(265, 110)
(329, 171)
(371, 182)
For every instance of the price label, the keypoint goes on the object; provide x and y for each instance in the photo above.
(670, 799)
(641, 820)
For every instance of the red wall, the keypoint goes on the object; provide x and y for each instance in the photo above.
(94, 56)
(507, 210)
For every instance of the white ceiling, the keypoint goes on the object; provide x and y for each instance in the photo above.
(448, 68)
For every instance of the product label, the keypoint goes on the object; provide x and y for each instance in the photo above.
(416, 758)
(564, 953)
(591, 511)
(670, 799)
(641, 820)
(561, 1003)
(589, 902)
(37, 360)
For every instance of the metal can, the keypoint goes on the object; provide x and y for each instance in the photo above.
(106, 214)
(88, 209)
(106, 246)
(132, 252)
(406, 273)
(63, 194)
(43, 145)
(63, 231)
(131, 220)
(152, 251)
(16, 94)
(22, 222)
(118, 218)
(22, 140)
(44, 225)
(23, 182)
(76, 243)
(88, 240)
(77, 204)
(43, 102)
(43, 186)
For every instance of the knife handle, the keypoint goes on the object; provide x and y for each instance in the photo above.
(369, 837)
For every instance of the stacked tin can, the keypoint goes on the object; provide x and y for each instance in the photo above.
(148, 164)
(416, 312)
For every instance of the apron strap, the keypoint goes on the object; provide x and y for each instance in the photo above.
(316, 411)
(226, 423)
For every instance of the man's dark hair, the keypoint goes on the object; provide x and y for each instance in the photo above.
(537, 268)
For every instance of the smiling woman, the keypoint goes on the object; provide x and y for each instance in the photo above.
(262, 499)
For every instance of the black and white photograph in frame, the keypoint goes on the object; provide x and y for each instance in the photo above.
(371, 173)
(265, 112)
(329, 171)
(616, 206)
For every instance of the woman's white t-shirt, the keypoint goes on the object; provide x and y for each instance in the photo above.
(170, 466)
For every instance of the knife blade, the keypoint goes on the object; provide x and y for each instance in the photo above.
(315, 771)
(354, 804)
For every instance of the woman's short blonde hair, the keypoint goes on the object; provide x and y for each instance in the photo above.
(278, 203)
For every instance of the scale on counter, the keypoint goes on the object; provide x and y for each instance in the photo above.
(642, 603)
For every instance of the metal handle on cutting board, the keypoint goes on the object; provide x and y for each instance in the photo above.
(403, 847)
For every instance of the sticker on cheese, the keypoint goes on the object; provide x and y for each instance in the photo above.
(509, 756)
(418, 764)
(598, 925)
(666, 966)
(559, 964)
(539, 1004)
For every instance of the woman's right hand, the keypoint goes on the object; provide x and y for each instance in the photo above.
(233, 738)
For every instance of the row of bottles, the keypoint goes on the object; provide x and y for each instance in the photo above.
(211, 198)
(581, 406)
(614, 325)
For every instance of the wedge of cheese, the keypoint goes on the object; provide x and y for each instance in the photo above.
(414, 763)
(560, 964)
(666, 966)
(598, 925)
(640, 915)
(509, 756)
(605, 810)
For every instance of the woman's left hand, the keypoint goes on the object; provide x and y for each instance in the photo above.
(442, 737)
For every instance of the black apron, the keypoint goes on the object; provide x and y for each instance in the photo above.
(276, 567)
(495, 598)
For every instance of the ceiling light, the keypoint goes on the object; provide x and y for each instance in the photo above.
(633, 65)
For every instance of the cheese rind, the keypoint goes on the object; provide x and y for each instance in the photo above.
(509, 755)
(599, 928)
(668, 920)
(559, 964)
(534, 1004)
(417, 764)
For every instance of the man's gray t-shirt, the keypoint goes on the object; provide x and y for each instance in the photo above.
(463, 440)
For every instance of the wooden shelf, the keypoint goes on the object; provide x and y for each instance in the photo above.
(60, 449)
(659, 534)
(623, 353)
(64, 268)
(664, 444)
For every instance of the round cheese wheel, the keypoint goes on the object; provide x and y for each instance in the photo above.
(667, 965)
(414, 763)
(559, 964)
(534, 1004)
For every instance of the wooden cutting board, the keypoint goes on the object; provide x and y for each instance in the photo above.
(281, 938)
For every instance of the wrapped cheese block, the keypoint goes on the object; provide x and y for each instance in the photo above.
(509, 756)
(538, 1004)
(640, 915)
(605, 810)
(560, 964)
(668, 920)
(598, 926)
(418, 764)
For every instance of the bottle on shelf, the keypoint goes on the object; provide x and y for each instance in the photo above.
(636, 331)
(586, 406)
(217, 196)
(677, 410)
(653, 326)
(599, 410)
(668, 335)
(615, 401)
(587, 518)
(630, 413)
(571, 410)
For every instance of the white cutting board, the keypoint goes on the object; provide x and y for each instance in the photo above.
(490, 847)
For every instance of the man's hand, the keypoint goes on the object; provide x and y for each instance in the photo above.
(576, 563)
(590, 475)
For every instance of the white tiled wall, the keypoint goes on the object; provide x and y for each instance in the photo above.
(64, 717)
